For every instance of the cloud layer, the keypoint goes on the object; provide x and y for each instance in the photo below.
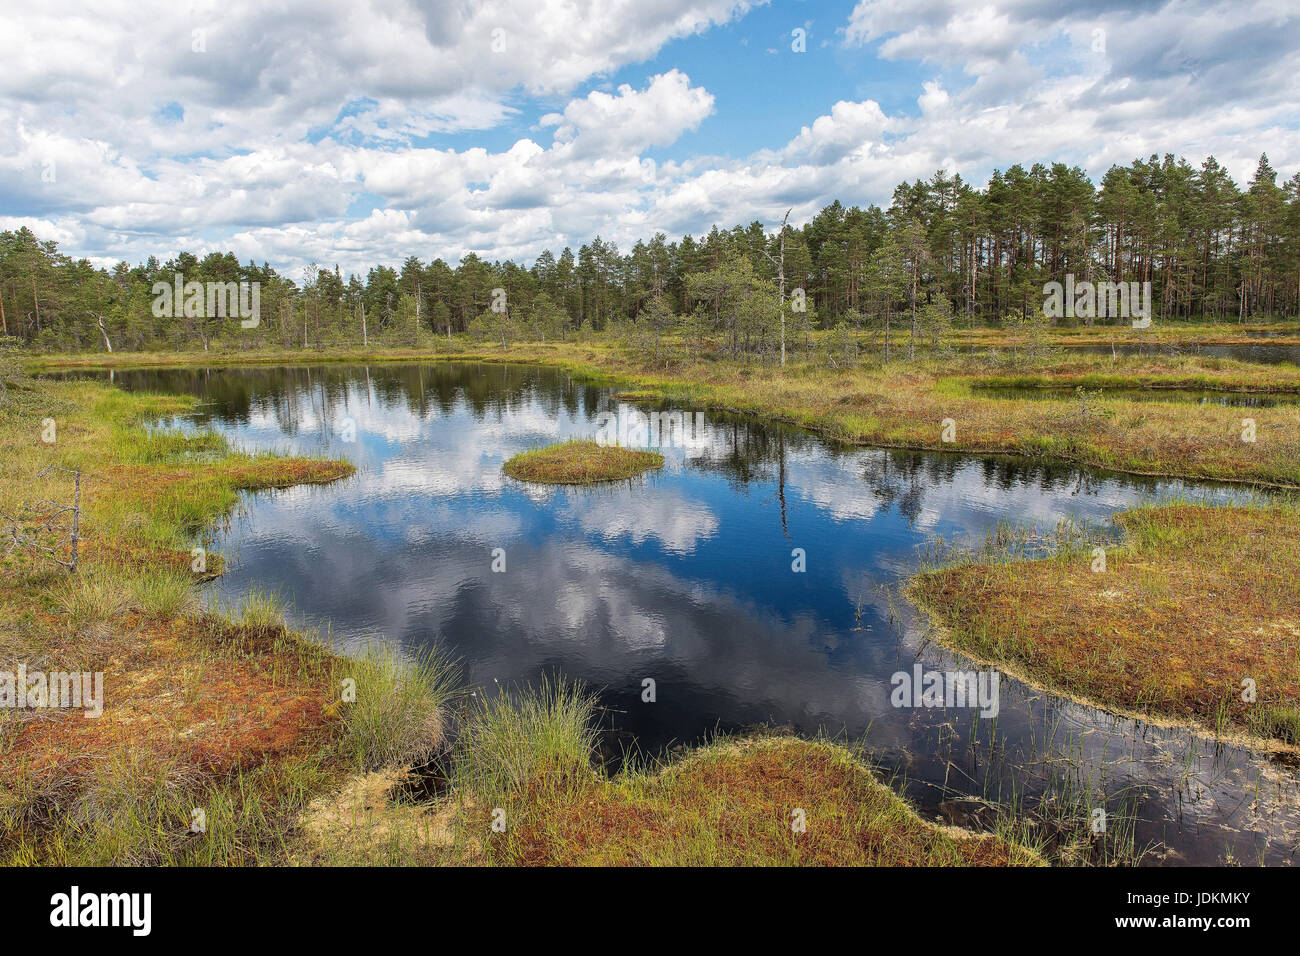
(345, 132)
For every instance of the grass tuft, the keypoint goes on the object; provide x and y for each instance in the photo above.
(91, 597)
(542, 737)
(397, 718)
(164, 593)
(260, 611)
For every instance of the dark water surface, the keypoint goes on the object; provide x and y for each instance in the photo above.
(1263, 353)
(685, 577)
(1266, 353)
(1192, 396)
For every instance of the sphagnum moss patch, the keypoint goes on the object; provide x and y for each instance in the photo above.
(581, 463)
(527, 759)
(775, 801)
(1195, 603)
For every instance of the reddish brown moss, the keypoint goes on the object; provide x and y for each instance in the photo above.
(1198, 600)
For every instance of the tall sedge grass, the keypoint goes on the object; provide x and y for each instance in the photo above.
(90, 597)
(544, 736)
(140, 809)
(1011, 541)
(397, 718)
(259, 610)
(1279, 721)
(163, 593)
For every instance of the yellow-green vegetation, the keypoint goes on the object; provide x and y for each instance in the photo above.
(580, 463)
(1189, 374)
(1185, 334)
(904, 405)
(523, 790)
(1194, 602)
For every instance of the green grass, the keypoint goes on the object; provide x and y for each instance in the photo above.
(259, 610)
(544, 737)
(200, 711)
(164, 593)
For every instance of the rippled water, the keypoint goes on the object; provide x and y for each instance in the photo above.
(685, 577)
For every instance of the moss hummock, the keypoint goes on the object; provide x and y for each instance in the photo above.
(580, 463)
(1195, 601)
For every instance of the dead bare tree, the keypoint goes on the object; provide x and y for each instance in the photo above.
(102, 331)
(780, 280)
(41, 528)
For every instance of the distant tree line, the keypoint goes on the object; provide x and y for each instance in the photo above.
(942, 254)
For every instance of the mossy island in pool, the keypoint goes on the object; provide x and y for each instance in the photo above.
(580, 463)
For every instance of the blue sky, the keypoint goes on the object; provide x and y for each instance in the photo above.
(765, 91)
(365, 131)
